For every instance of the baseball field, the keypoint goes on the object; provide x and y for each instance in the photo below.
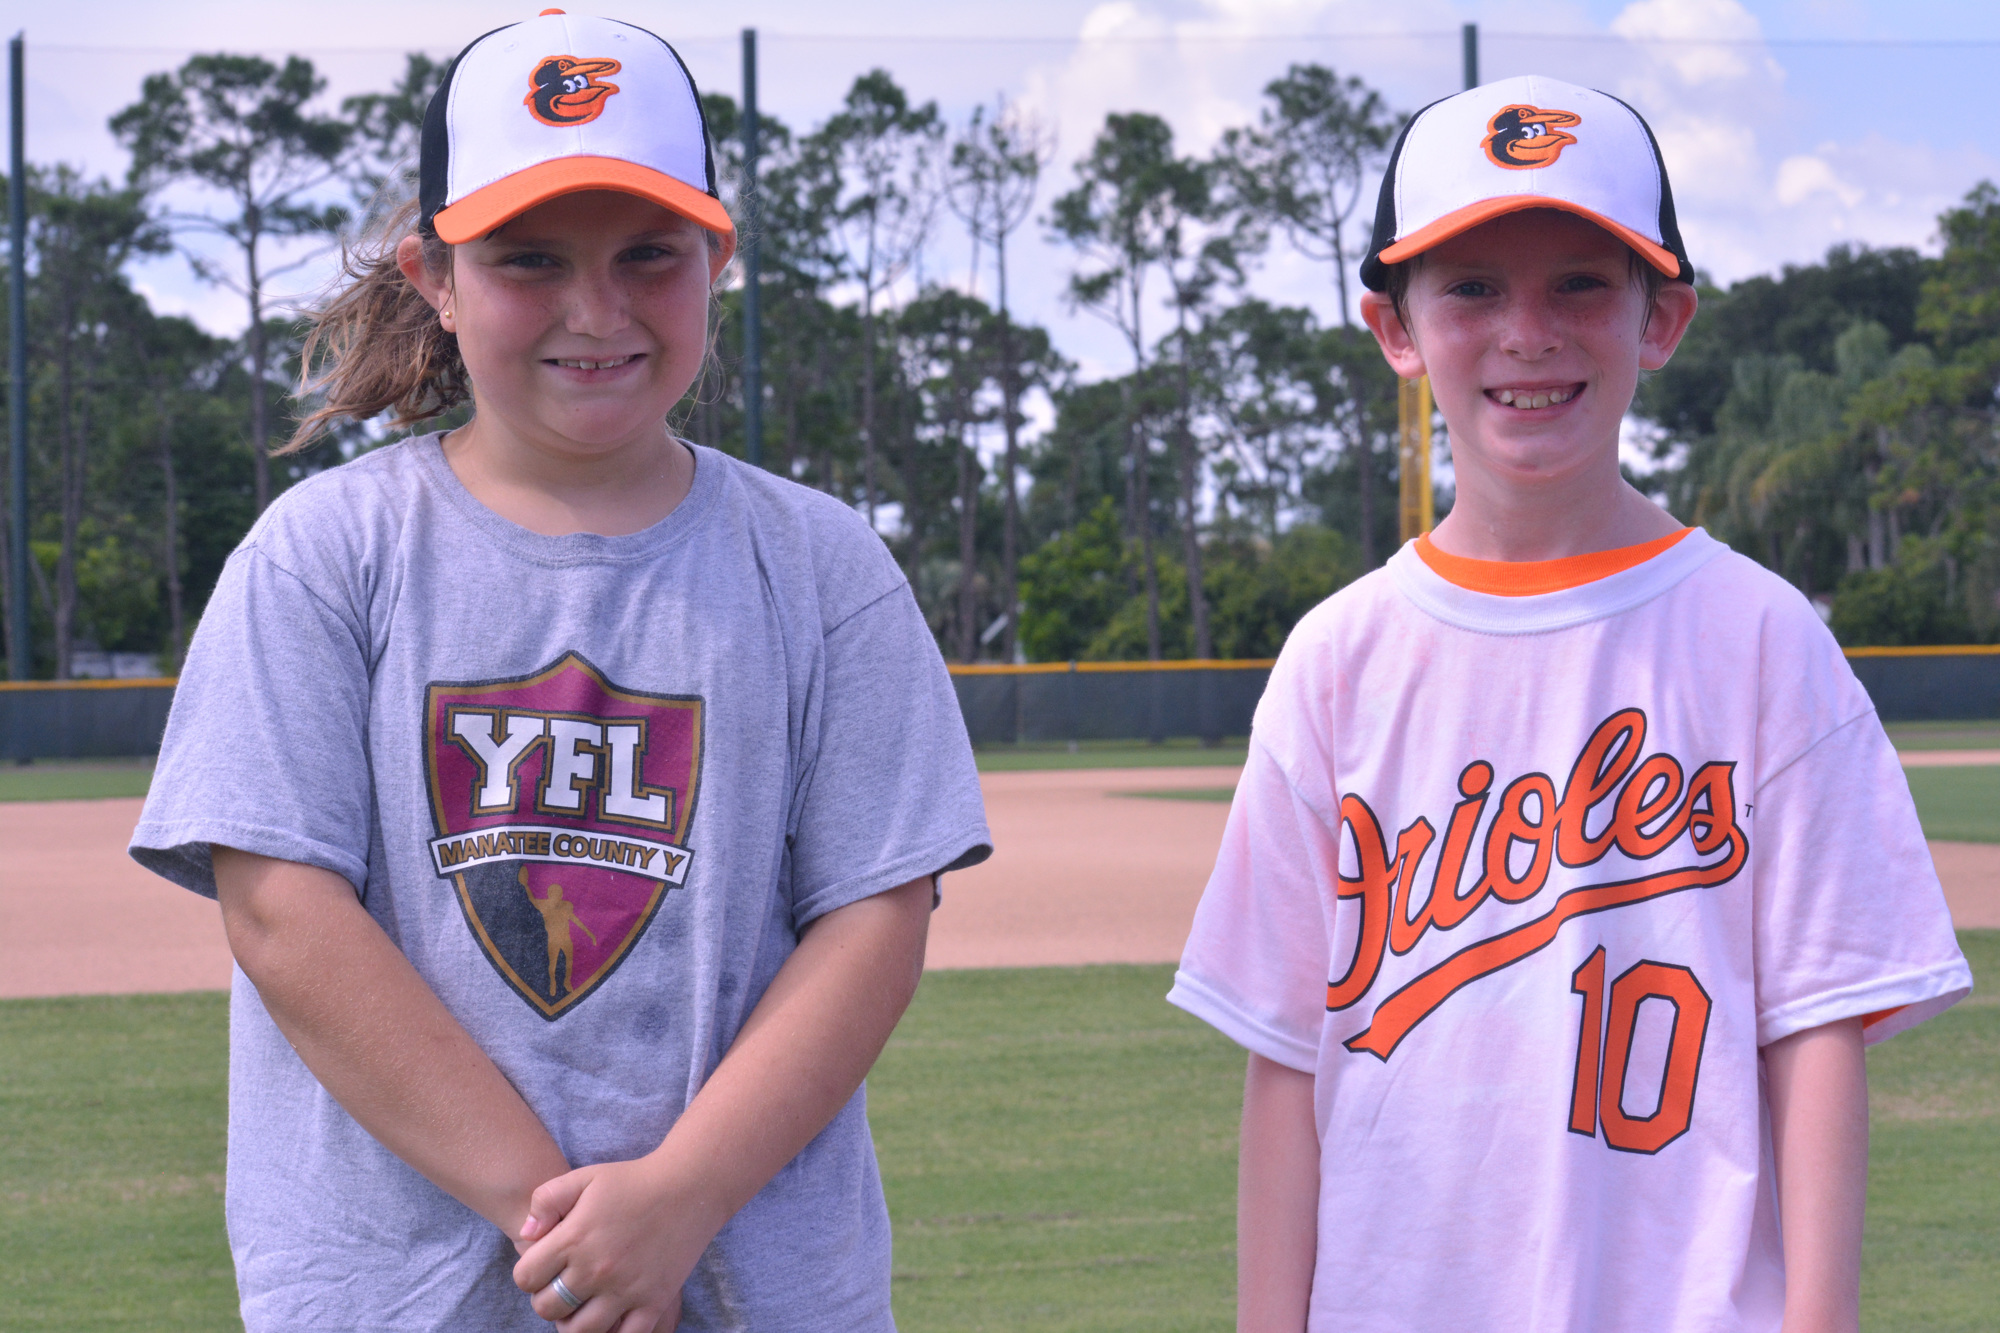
(1058, 1145)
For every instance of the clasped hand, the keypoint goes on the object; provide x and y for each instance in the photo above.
(623, 1237)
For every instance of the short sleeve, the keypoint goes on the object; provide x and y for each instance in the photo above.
(265, 748)
(1255, 966)
(1850, 918)
(890, 792)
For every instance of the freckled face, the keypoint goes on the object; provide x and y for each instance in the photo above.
(583, 321)
(1530, 327)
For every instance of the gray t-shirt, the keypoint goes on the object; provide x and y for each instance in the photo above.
(593, 787)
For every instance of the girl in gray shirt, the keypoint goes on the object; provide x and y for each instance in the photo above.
(574, 796)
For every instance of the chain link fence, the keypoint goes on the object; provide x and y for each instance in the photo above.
(1003, 705)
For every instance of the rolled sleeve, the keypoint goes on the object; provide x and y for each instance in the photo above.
(891, 793)
(265, 748)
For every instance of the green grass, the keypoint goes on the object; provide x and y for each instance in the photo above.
(1059, 1151)
(1932, 1260)
(1185, 750)
(1955, 804)
(1958, 804)
(1984, 735)
(74, 779)
(86, 780)
(1110, 754)
(83, 780)
(1058, 1148)
(111, 1163)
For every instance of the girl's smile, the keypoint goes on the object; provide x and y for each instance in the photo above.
(601, 364)
(583, 321)
(581, 324)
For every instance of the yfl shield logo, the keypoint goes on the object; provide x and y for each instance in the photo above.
(562, 804)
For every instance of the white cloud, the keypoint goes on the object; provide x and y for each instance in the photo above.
(1803, 176)
(171, 290)
(1721, 121)
(1120, 18)
(1708, 104)
(1713, 163)
(1694, 36)
(1724, 112)
(1743, 127)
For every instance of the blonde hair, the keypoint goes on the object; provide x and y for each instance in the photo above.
(377, 344)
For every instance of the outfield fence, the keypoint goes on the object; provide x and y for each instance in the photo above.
(1930, 684)
(1034, 704)
(1109, 701)
(82, 719)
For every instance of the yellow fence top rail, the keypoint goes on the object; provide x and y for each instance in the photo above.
(1260, 663)
(1046, 668)
(147, 683)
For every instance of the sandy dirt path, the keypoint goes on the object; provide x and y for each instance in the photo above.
(1950, 758)
(1080, 874)
(79, 917)
(1083, 874)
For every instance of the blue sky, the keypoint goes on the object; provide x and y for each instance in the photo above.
(1785, 132)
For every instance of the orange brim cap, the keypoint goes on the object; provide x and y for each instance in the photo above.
(1472, 215)
(1524, 142)
(493, 206)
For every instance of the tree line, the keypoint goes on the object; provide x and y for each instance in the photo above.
(1834, 421)
(1838, 422)
(1194, 504)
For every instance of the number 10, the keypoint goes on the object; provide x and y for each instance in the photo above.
(1598, 1099)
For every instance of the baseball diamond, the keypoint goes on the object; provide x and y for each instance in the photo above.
(1082, 873)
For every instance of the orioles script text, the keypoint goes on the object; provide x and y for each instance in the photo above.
(1653, 806)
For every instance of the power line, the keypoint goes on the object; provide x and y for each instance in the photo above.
(1969, 44)
(1441, 35)
(66, 48)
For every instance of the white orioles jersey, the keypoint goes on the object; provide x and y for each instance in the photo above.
(1525, 879)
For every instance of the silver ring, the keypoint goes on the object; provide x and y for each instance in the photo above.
(565, 1295)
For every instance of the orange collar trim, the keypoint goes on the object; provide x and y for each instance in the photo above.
(1527, 578)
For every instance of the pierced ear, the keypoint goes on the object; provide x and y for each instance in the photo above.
(436, 291)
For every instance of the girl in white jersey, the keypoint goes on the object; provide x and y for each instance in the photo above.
(1570, 869)
(574, 796)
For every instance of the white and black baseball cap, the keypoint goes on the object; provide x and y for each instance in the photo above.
(560, 103)
(1528, 142)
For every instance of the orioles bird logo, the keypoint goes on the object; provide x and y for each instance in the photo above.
(564, 90)
(1526, 136)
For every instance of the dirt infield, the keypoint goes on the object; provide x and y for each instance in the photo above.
(1082, 874)
(1950, 758)
(79, 917)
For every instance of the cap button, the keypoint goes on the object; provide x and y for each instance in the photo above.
(546, 12)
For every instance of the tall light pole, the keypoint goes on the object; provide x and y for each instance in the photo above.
(19, 660)
(1415, 514)
(753, 325)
